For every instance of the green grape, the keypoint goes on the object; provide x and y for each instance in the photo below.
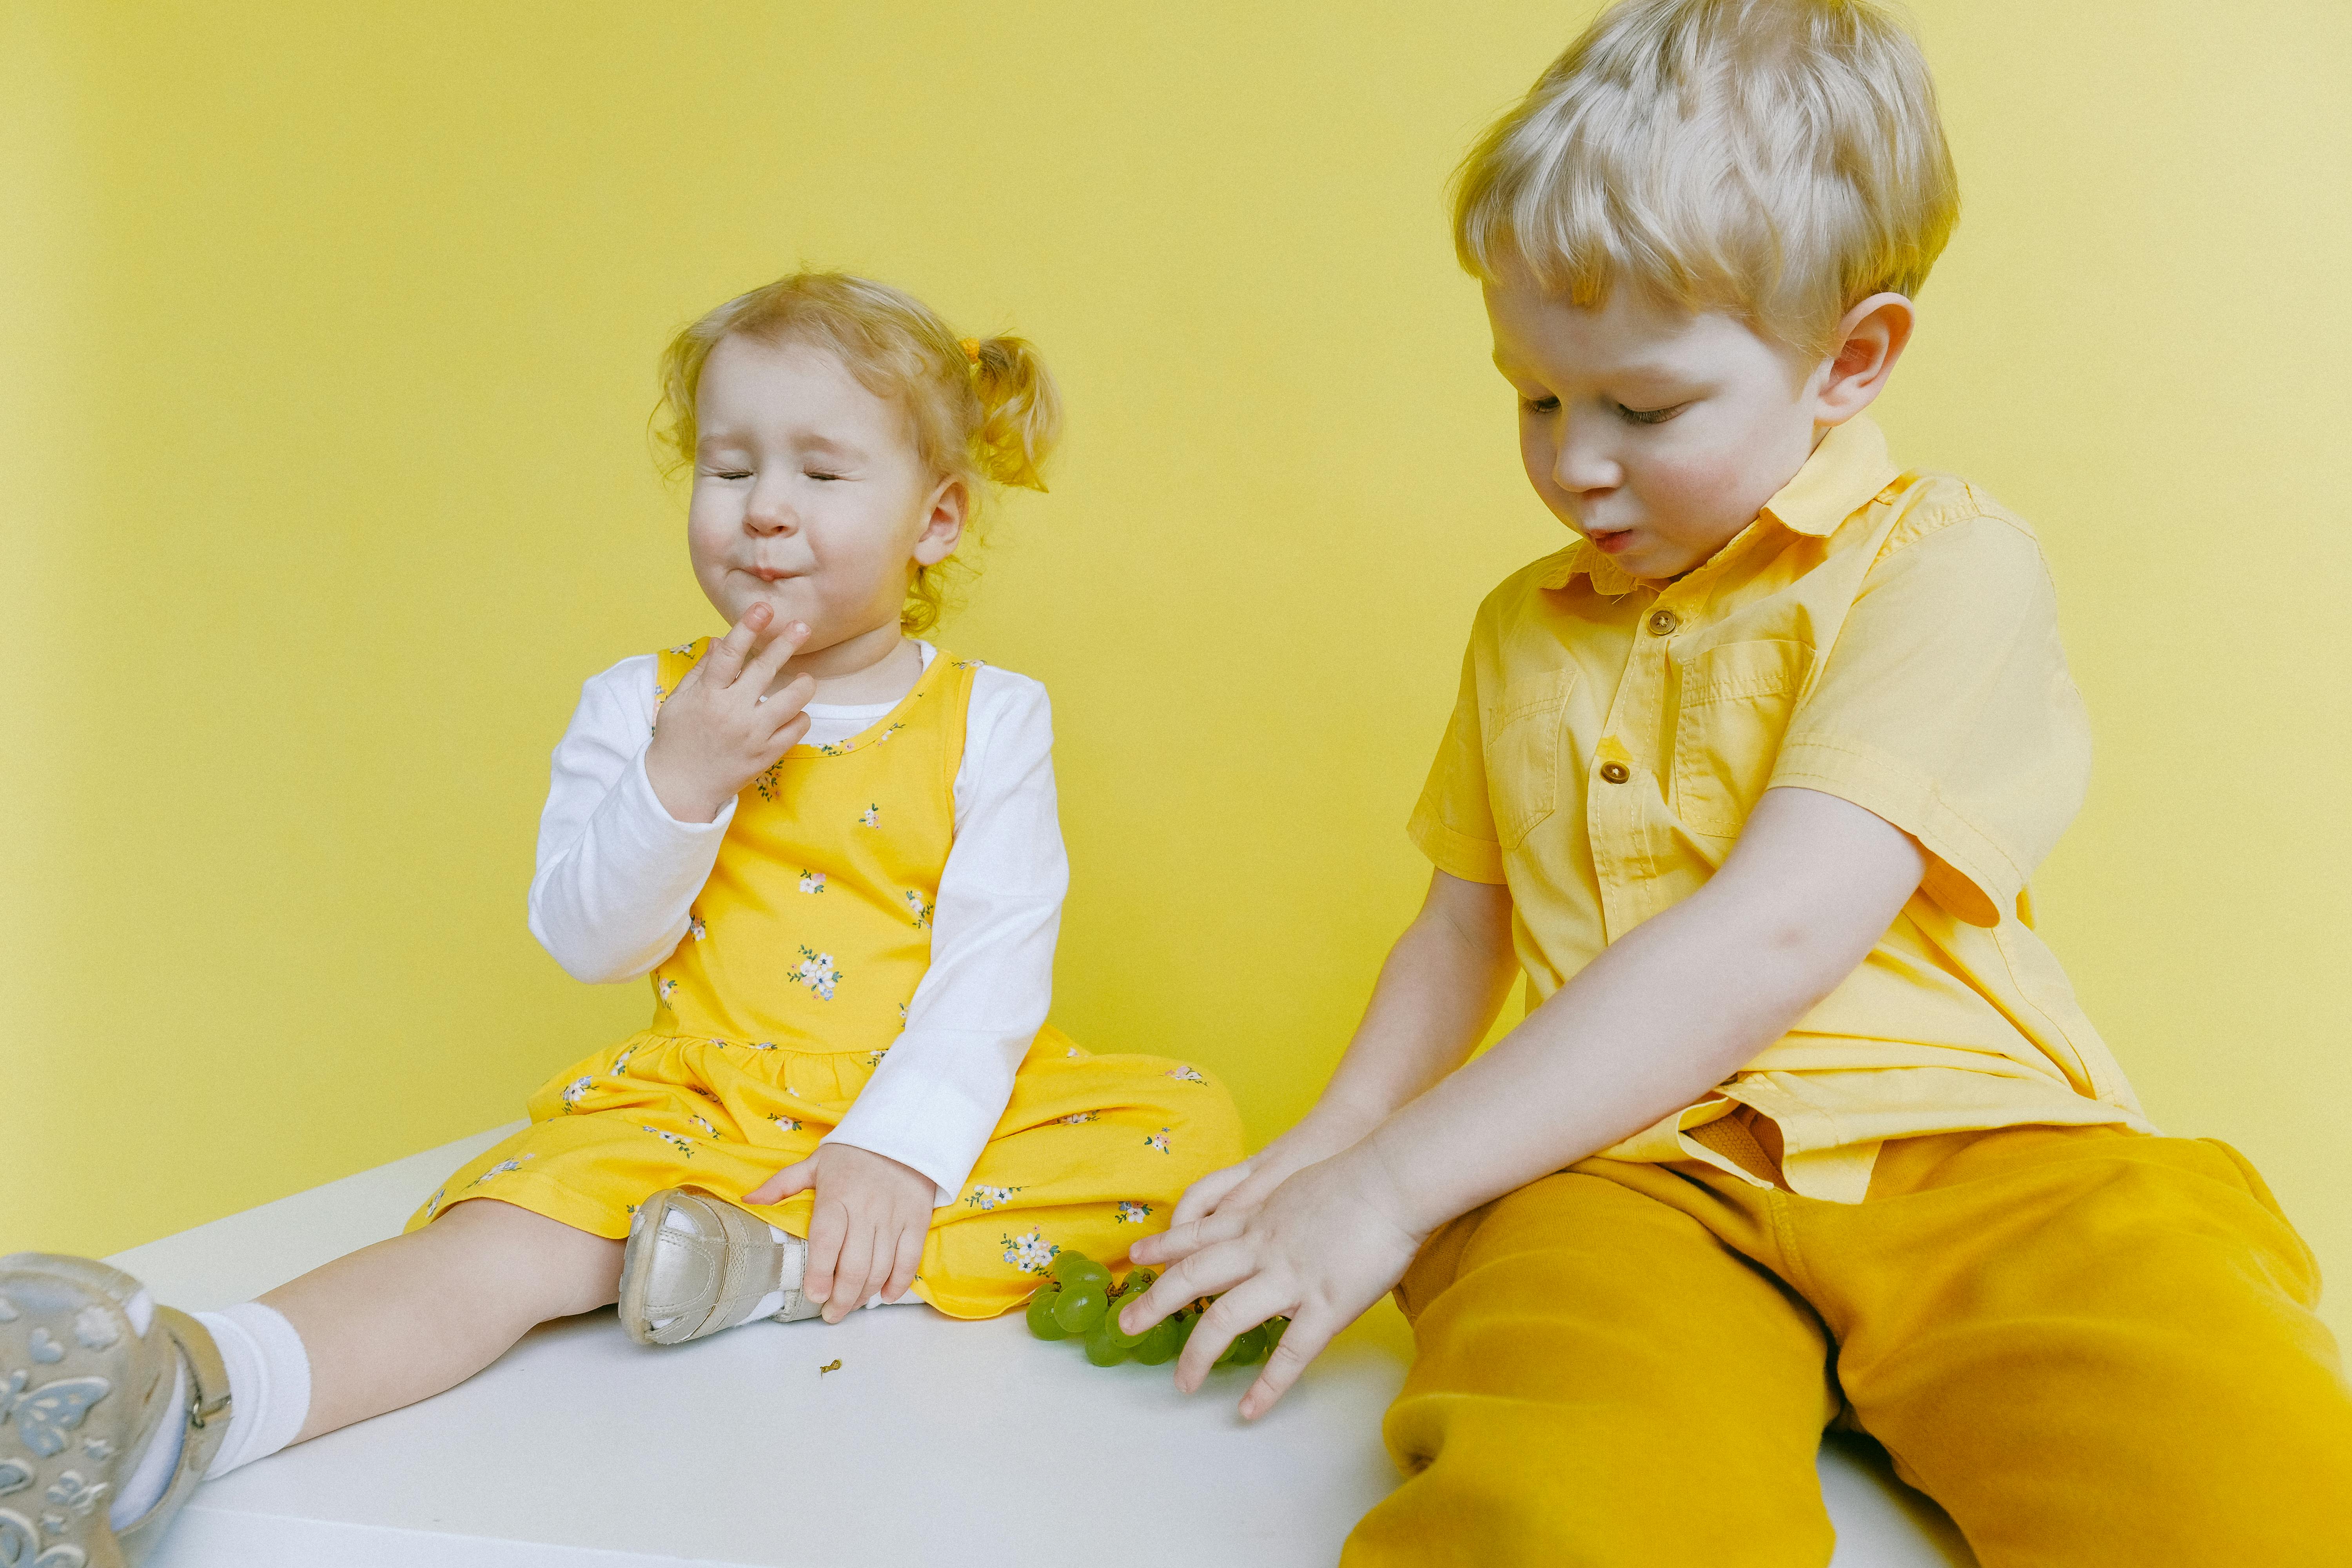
(1185, 1321)
(1077, 1268)
(1042, 1302)
(1245, 1349)
(1120, 1336)
(1103, 1345)
(1138, 1282)
(1080, 1308)
(1275, 1329)
(1160, 1344)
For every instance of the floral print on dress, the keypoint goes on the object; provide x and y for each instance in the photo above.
(920, 910)
(871, 816)
(434, 1202)
(502, 1168)
(759, 1045)
(683, 1146)
(887, 734)
(682, 649)
(1184, 1074)
(665, 988)
(1131, 1214)
(771, 785)
(696, 928)
(812, 881)
(1158, 1140)
(984, 1198)
(620, 1062)
(834, 748)
(817, 972)
(703, 1124)
(1031, 1253)
(1079, 1118)
(786, 1123)
(577, 1090)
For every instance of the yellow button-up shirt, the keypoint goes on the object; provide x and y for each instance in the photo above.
(1887, 637)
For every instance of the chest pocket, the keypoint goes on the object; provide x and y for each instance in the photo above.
(1526, 734)
(1736, 699)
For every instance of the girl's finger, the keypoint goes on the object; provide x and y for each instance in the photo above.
(910, 1258)
(724, 660)
(853, 1281)
(1301, 1343)
(825, 1228)
(1230, 1316)
(785, 706)
(761, 672)
(1200, 1199)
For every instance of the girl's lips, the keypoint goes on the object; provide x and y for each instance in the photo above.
(1612, 543)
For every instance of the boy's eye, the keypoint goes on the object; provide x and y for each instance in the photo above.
(1540, 404)
(1648, 416)
(820, 474)
(728, 474)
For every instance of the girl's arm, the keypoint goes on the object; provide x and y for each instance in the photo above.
(616, 872)
(1666, 1013)
(1444, 982)
(935, 1099)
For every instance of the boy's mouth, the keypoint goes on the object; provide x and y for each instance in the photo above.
(1612, 543)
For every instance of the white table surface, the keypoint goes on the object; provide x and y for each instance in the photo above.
(936, 1441)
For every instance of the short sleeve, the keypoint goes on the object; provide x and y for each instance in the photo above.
(1454, 824)
(1945, 707)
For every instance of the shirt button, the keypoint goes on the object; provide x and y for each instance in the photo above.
(1663, 621)
(1615, 772)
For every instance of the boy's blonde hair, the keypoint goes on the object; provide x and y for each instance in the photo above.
(977, 408)
(1778, 160)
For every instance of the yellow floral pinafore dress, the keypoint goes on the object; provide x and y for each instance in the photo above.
(801, 954)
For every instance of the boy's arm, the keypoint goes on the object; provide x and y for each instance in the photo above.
(1444, 982)
(1666, 1013)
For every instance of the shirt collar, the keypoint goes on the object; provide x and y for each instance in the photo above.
(1845, 471)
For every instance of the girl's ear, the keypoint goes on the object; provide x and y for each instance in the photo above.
(942, 522)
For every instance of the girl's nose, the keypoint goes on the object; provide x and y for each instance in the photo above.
(768, 513)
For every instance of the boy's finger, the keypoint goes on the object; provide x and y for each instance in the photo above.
(761, 669)
(1181, 1241)
(1301, 1343)
(1205, 1273)
(1230, 1316)
(1200, 1199)
(787, 706)
(910, 1258)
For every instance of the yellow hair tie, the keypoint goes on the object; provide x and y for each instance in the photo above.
(971, 350)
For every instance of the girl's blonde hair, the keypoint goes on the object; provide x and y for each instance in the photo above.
(1781, 160)
(977, 408)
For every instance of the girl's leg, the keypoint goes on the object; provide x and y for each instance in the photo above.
(405, 1318)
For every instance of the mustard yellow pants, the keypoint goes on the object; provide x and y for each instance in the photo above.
(2091, 1347)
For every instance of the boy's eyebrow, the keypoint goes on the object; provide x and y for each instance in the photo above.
(803, 440)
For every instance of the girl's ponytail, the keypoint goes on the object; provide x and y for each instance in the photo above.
(1021, 412)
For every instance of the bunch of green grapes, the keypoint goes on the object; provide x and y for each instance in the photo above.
(1078, 1302)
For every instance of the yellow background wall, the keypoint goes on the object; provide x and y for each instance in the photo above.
(327, 346)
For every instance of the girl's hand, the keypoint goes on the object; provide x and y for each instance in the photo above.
(719, 730)
(866, 1233)
(1323, 1245)
(1238, 1190)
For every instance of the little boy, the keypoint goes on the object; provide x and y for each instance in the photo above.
(1805, 1125)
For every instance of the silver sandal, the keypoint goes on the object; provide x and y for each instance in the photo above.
(82, 1394)
(694, 1265)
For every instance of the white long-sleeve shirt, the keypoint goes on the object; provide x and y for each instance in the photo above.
(617, 874)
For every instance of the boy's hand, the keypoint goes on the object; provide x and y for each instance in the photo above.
(1327, 1243)
(866, 1232)
(1238, 1190)
(720, 729)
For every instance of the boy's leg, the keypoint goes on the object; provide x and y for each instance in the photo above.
(2094, 1348)
(1600, 1381)
(405, 1318)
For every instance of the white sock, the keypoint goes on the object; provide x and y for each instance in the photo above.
(795, 1270)
(269, 1383)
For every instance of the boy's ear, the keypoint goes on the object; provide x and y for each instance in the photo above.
(1871, 338)
(943, 524)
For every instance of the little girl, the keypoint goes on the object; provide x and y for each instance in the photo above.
(834, 848)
